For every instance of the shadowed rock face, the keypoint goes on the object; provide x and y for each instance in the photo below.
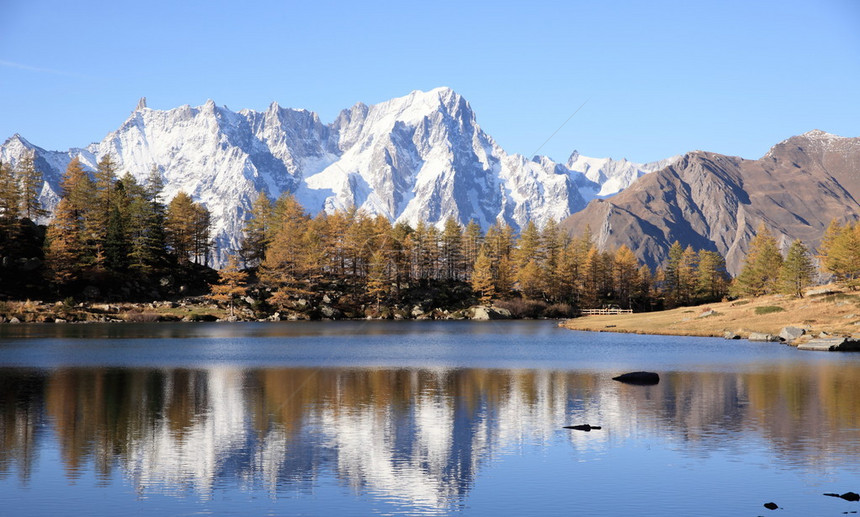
(716, 202)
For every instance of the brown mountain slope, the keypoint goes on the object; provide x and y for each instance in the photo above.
(716, 202)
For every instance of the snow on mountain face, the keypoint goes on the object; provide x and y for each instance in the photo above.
(413, 158)
(613, 176)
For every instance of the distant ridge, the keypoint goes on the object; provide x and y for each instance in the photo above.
(716, 202)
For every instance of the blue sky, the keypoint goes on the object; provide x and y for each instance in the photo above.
(658, 78)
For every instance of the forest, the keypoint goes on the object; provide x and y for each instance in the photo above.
(110, 237)
(113, 238)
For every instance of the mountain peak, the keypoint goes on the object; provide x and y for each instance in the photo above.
(816, 138)
(819, 134)
(445, 93)
(17, 139)
(442, 95)
(141, 104)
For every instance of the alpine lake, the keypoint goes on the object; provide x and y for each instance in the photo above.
(418, 418)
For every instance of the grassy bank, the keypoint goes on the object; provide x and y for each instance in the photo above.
(837, 312)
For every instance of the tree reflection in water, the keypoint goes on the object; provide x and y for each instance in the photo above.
(415, 436)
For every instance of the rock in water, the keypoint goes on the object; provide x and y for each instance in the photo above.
(848, 496)
(638, 378)
(771, 506)
(583, 427)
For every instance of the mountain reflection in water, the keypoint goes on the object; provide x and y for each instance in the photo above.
(415, 436)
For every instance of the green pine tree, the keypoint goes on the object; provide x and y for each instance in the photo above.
(760, 272)
(797, 270)
(255, 235)
(116, 242)
(30, 182)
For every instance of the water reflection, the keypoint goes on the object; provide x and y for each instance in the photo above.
(418, 437)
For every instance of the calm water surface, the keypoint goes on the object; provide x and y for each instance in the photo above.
(417, 418)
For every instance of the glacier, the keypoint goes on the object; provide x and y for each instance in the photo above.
(421, 157)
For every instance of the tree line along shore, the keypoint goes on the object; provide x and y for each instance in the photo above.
(116, 247)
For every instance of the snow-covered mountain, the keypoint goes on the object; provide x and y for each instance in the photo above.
(418, 157)
(613, 176)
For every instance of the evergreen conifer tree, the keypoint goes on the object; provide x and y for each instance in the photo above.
(713, 279)
(687, 275)
(840, 253)
(672, 280)
(760, 272)
(255, 235)
(105, 193)
(797, 270)
(30, 186)
(116, 242)
(10, 194)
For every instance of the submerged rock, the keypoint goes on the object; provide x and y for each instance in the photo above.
(638, 378)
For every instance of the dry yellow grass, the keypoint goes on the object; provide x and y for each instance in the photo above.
(837, 313)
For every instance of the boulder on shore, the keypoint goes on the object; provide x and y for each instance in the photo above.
(760, 336)
(484, 313)
(791, 333)
(638, 378)
(831, 344)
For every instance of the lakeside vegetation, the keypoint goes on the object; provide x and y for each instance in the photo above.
(115, 251)
(773, 294)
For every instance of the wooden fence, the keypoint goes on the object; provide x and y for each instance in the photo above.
(599, 312)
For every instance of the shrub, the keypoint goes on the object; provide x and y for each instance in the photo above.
(768, 309)
(522, 308)
(559, 310)
(140, 317)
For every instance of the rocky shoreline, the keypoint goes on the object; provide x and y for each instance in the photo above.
(198, 309)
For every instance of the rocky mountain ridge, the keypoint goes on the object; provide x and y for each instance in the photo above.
(716, 202)
(418, 157)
